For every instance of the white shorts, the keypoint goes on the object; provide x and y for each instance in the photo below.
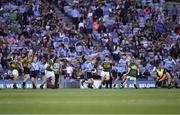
(103, 73)
(49, 74)
(131, 78)
(15, 72)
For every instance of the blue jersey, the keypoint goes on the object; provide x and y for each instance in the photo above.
(122, 66)
(168, 64)
(87, 66)
(34, 66)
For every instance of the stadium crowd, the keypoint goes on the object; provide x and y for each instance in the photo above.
(34, 38)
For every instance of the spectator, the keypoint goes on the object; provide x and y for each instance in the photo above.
(174, 13)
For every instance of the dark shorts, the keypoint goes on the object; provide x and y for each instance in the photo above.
(121, 74)
(57, 75)
(170, 73)
(34, 74)
(26, 70)
(89, 75)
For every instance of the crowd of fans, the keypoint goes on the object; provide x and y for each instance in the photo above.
(148, 31)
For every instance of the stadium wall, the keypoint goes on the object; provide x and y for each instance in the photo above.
(76, 84)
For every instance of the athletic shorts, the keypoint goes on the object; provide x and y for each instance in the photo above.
(120, 74)
(49, 74)
(15, 72)
(34, 74)
(26, 70)
(103, 73)
(131, 78)
(89, 75)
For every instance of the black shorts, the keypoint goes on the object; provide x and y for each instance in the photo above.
(89, 75)
(170, 73)
(121, 74)
(26, 70)
(34, 74)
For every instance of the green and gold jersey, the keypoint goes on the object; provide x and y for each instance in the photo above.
(50, 65)
(56, 68)
(133, 70)
(13, 65)
(27, 62)
(107, 66)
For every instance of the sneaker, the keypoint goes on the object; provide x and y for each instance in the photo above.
(135, 86)
(122, 86)
(53, 87)
(82, 83)
(14, 86)
(114, 86)
(169, 86)
(41, 86)
(103, 83)
(34, 87)
(23, 85)
(91, 87)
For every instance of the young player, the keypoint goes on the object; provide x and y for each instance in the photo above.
(34, 72)
(57, 72)
(121, 69)
(169, 65)
(14, 65)
(26, 64)
(132, 74)
(89, 69)
(106, 69)
(49, 73)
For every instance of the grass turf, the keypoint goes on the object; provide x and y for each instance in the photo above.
(86, 101)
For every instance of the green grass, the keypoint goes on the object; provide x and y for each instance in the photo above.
(85, 101)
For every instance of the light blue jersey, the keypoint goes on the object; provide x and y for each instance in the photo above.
(168, 64)
(122, 66)
(34, 66)
(87, 66)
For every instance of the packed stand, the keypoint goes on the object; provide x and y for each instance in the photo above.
(32, 30)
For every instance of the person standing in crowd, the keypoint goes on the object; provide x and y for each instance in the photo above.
(49, 73)
(75, 15)
(174, 12)
(69, 70)
(106, 69)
